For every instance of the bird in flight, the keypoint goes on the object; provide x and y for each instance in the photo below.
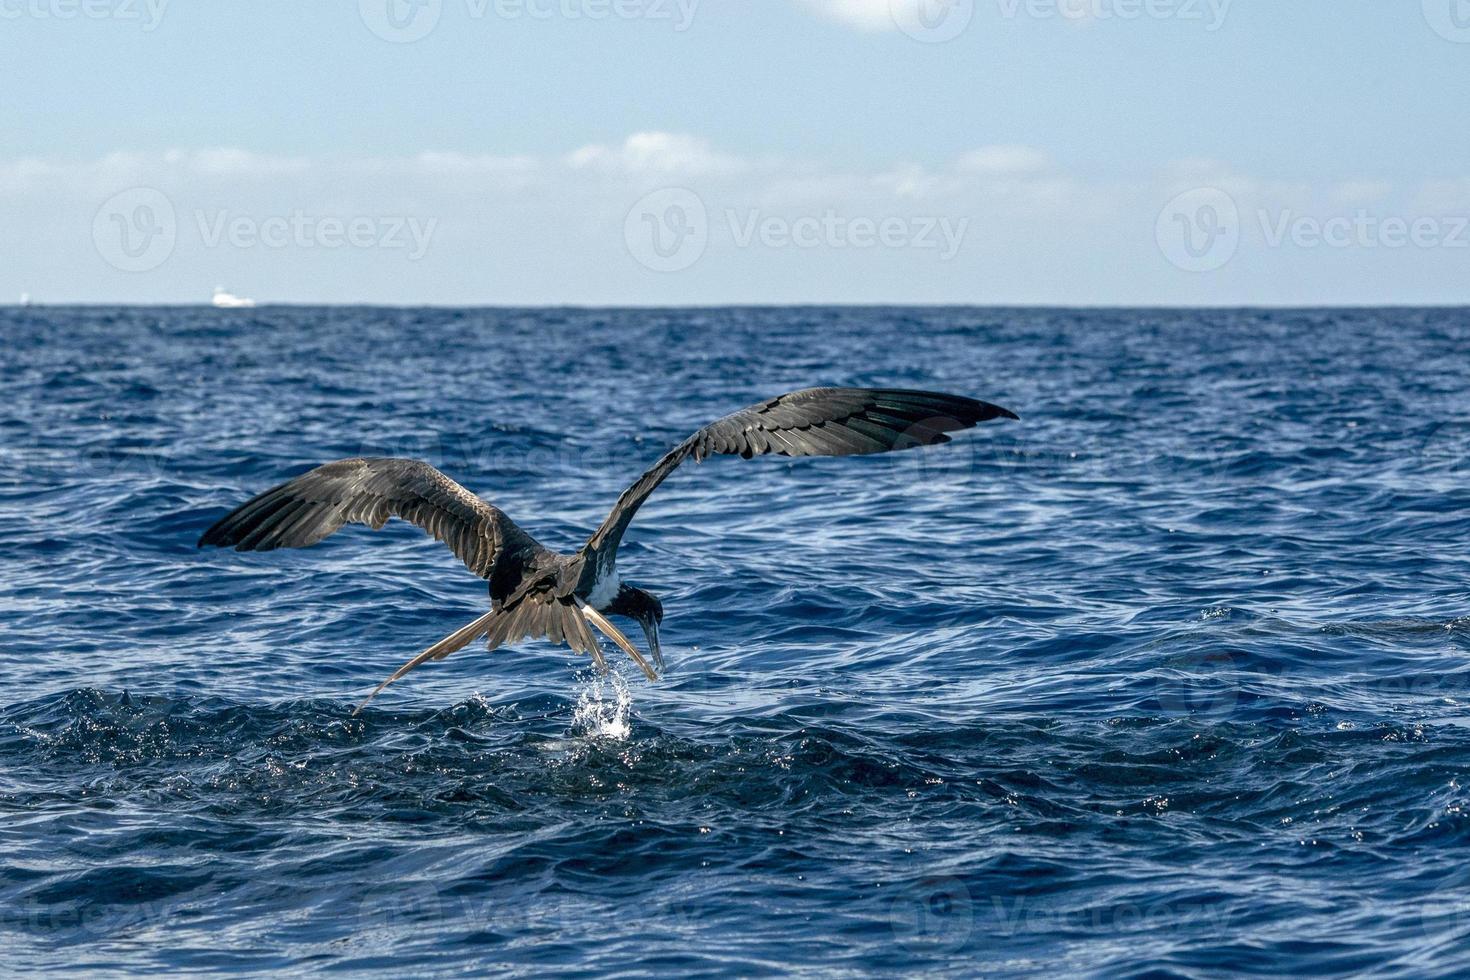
(535, 592)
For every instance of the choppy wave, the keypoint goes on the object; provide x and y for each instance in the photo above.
(1171, 677)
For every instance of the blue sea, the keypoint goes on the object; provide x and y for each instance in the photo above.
(1170, 678)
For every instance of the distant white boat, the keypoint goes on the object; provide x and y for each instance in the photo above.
(227, 300)
(25, 299)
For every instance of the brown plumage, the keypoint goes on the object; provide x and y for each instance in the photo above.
(538, 593)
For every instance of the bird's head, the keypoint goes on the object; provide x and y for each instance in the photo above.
(637, 604)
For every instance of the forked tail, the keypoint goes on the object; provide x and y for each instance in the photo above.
(457, 640)
(559, 619)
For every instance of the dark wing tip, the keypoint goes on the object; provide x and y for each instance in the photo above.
(215, 537)
(973, 412)
(984, 411)
(220, 536)
(970, 411)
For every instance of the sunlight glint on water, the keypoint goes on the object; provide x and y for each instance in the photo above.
(1164, 679)
(604, 707)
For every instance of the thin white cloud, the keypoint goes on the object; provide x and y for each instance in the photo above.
(1004, 160)
(232, 161)
(132, 167)
(1445, 196)
(1361, 192)
(655, 154)
(506, 228)
(865, 15)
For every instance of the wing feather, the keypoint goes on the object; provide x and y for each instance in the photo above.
(304, 511)
(810, 422)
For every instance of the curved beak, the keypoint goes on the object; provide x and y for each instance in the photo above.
(610, 631)
(650, 630)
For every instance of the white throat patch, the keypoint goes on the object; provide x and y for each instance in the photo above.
(604, 591)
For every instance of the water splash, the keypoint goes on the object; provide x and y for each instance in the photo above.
(604, 704)
(1016, 706)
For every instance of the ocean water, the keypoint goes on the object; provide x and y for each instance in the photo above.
(1172, 677)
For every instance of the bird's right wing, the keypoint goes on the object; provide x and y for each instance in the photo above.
(307, 509)
(810, 422)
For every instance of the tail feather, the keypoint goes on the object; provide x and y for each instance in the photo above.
(559, 620)
(579, 635)
(457, 640)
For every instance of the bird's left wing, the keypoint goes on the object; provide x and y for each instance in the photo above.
(810, 422)
(303, 511)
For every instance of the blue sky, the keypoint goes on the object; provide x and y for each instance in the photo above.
(529, 151)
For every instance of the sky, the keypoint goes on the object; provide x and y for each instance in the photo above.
(701, 152)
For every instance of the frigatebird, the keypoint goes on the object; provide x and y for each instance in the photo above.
(535, 592)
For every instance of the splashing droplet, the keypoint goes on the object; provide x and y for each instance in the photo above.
(604, 705)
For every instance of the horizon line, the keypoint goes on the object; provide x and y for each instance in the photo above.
(806, 304)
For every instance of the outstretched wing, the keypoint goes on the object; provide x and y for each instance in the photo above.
(810, 422)
(307, 509)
